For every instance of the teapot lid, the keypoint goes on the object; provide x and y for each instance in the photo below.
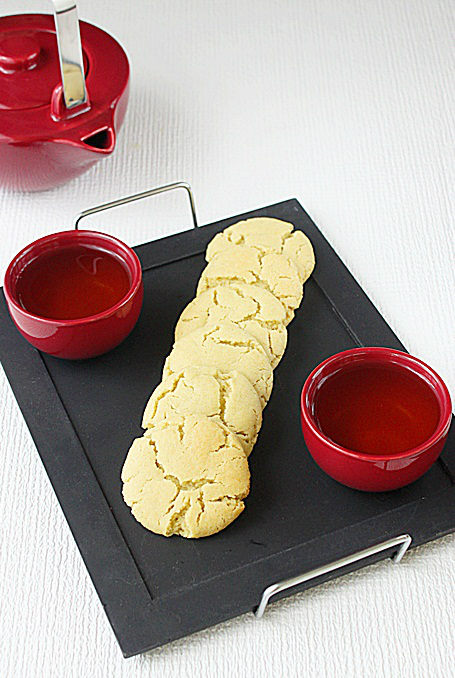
(31, 100)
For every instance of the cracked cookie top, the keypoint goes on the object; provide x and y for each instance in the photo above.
(274, 272)
(267, 235)
(252, 308)
(186, 476)
(206, 391)
(226, 347)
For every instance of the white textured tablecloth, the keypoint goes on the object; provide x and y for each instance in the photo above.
(346, 105)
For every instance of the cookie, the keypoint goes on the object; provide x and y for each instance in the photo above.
(252, 308)
(274, 272)
(186, 476)
(267, 235)
(206, 391)
(226, 347)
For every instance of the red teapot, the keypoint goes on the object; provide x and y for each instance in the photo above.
(63, 96)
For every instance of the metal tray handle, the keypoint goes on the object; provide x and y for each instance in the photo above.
(403, 542)
(139, 196)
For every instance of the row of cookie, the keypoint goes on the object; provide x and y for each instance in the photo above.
(216, 381)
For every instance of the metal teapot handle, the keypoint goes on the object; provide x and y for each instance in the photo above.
(70, 54)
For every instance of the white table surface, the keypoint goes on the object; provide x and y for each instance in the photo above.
(346, 105)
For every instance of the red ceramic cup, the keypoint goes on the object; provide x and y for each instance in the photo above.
(364, 471)
(79, 337)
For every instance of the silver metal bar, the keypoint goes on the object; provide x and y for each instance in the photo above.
(70, 53)
(403, 542)
(139, 196)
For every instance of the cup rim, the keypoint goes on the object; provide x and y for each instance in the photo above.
(371, 354)
(130, 259)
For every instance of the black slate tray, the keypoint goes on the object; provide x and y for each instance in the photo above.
(84, 415)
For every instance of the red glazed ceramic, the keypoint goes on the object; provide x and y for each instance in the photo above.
(42, 142)
(79, 337)
(363, 470)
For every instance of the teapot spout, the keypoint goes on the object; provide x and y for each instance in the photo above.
(101, 140)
